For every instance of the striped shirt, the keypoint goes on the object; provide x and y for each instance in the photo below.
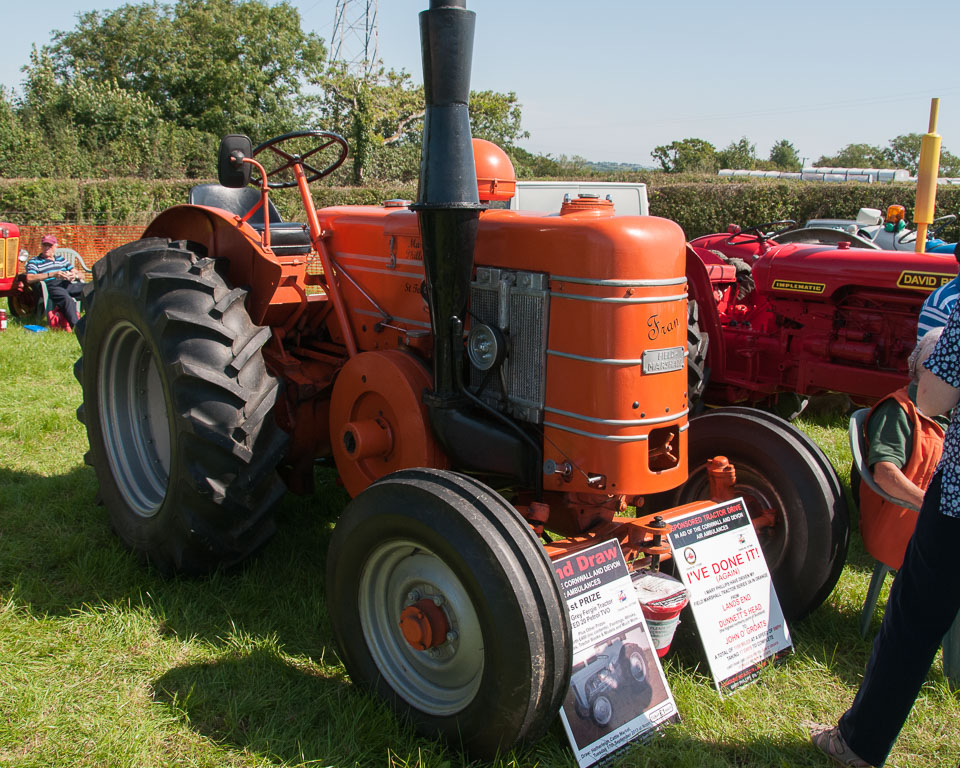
(41, 266)
(937, 308)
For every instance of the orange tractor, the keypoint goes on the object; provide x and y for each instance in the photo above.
(497, 388)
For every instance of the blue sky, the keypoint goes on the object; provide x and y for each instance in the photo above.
(612, 79)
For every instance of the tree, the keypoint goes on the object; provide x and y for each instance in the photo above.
(695, 155)
(382, 116)
(904, 152)
(496, 117)
(856, 156)
(219, 66)
(784, 157)
(739, 155)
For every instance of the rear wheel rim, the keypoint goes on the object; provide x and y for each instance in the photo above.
(439, 681)
(638, 669)
(133, 419)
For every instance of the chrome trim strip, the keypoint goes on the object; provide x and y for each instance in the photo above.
(618, 300)
(619, 422)
(601, 360)
(379, 259)
(371, 313)
(415, 275)
(620, 283)
(612, 438)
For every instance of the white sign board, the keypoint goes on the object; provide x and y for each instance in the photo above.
(617, 690)
(738, 615)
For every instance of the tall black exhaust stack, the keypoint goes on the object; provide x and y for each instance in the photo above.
(448, 207)
(448, 204)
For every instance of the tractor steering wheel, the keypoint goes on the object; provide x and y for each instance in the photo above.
(935, 228)
(305, 144)
(761, 232)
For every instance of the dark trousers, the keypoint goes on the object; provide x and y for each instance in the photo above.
(924, 601)
(62, 294)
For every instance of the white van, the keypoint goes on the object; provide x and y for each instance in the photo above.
(547, 196)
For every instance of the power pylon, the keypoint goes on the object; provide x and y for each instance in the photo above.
(355, 36)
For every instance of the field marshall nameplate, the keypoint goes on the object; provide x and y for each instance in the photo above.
(663, 360)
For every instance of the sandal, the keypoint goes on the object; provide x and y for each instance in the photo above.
(829, 741)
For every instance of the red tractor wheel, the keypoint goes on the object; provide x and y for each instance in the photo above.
(698, 343)
(22, 300)
(444, 603)
(790, 487)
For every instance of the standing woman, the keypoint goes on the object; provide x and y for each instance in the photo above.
(925, 596)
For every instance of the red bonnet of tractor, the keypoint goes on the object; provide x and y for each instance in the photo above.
(807, 311)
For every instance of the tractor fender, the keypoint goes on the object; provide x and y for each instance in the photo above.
(273, 288)
(699, 290)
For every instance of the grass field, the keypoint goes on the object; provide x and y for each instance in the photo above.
(105, 663)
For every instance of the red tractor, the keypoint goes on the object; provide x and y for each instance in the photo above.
(13, 284)
(806, 311)
(497, 388)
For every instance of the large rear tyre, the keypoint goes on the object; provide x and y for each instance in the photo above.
(496, 665)
(633, 667)
(780, 469)
(698, 342)
(177, 404)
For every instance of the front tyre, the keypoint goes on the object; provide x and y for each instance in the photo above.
(601, 711)
(445, 604)
(177, 404)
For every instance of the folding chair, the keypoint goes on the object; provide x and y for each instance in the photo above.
(951, 641)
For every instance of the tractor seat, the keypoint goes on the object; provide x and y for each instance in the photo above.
(287, 238)
(823, 236)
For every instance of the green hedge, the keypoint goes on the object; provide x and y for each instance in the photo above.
(136, 201)
(705, 207)
(699, 206)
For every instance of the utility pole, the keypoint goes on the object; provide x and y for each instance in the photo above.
(354, 39)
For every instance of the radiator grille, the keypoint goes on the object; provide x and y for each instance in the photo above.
(13, 250)
(517, 303)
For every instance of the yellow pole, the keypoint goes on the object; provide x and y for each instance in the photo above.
(927, 172)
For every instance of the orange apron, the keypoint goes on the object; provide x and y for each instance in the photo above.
(885, 527)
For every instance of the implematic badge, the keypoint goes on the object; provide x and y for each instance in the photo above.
(923, 281)
(663, 360)
(798, 286)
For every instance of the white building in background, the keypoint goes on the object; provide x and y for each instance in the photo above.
(868, 175)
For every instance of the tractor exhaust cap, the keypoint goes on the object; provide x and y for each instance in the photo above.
(448, 203)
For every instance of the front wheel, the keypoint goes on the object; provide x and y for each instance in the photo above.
(444, 603)
(791, 491)
(601, 710)
(178, 403)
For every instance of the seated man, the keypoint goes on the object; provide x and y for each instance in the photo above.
(904, 448)
(64, 283)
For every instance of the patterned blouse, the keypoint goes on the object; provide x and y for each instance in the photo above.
(944, 361)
